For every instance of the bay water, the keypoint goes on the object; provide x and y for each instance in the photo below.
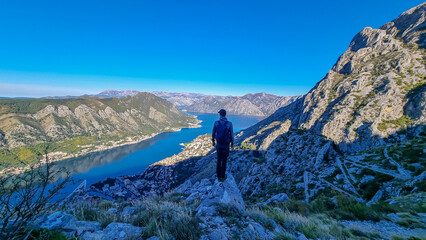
(135, 158)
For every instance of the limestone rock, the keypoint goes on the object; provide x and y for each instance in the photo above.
(222, 193)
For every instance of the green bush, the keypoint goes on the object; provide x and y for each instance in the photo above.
(402, 122)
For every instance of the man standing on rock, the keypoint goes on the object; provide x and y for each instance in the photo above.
(222, 138)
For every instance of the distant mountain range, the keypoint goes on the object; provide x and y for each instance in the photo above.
(258, 104)
(252, 104)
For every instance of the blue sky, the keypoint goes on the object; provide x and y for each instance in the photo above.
(214, 47)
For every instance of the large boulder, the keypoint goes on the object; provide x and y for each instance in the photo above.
(226, 192)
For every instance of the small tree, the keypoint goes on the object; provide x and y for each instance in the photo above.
(25, 196)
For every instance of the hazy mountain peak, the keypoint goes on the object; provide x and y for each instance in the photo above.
(117, 93)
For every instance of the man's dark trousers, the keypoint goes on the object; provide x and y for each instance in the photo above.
(222, 155)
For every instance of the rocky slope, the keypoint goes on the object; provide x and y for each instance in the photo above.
(91, 121)
(258, 104)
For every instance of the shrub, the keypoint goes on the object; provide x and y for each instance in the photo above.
(41, 234)
(26, 195)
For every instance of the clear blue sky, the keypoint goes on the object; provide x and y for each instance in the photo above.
(208, 46)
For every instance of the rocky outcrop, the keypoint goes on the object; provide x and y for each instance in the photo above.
(220, 201)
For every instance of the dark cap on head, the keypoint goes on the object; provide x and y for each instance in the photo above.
(222, 112)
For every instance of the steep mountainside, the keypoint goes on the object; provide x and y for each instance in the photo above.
(258, 104)
(375, 89)
(25, 122)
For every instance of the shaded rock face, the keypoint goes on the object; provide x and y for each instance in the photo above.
(374, 89)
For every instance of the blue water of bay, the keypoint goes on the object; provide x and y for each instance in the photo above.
(135, 158)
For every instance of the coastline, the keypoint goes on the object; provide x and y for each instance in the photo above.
(99, 148)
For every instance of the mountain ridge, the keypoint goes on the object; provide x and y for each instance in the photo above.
(83, 123)
(251, 104)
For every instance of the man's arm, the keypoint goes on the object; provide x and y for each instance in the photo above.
(231, 133)
(214, 134)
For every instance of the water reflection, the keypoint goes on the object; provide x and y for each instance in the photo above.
(84, 163)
